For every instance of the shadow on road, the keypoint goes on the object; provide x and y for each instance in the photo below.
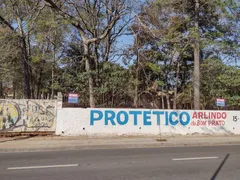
(220, 167)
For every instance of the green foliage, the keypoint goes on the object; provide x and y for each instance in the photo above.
(219, 81)
(155, 68)
(160, 59)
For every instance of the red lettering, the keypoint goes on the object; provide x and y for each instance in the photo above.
(201, 123)
(213, 115)
(193, 123)
(224, 115)
(200, 115)
(205, 116)
(219, 115)
(194, 115)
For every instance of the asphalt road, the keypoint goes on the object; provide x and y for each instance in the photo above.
(193, 163)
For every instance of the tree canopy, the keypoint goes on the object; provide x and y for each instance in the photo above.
(181, 54)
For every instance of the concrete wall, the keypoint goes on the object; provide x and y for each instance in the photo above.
(76, 121)
(27, 115)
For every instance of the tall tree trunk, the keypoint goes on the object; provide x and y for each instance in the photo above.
(24, 66)
(39, 80)
(39, 84)
(108, 46)
(168, 101)
(176, 86)
(136, 87)
(24, 61)
(30, 68)
(96, 57)
(96, 60)
(90, 78)
(31, 79)
(135, 103)
(196, 73)
(52, 88)
(162, 98)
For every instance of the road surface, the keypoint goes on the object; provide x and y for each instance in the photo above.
(180, 163)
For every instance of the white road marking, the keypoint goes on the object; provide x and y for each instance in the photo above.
(194, 158)
(41, 167)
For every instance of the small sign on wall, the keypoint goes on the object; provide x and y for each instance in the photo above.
(221, 102)
(73, 98)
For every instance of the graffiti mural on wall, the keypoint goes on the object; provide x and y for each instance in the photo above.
(27, 115)
(9, 115)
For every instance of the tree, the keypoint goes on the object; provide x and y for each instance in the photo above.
(184, 54)
(219, 81)
(182, 33)
(196, 71)
(23, 13)
(10, 71)
(162, 36)
(87, 17)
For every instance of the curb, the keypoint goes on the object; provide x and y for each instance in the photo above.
(114, 146)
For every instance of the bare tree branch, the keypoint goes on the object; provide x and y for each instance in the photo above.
(4, 21)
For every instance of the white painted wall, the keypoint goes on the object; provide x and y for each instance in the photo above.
(77, 121)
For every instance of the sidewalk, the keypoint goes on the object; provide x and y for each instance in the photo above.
(55, 143)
